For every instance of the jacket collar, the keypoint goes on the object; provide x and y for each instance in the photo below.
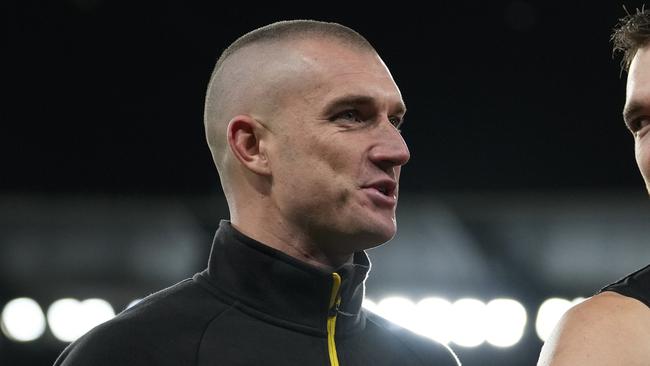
(282, 287)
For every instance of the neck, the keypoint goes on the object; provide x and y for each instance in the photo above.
(280, 236)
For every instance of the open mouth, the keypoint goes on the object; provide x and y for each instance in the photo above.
(385, 187)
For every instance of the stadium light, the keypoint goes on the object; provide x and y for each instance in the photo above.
(468, 317)
(434, 316)
(399, 310)
(22, 320)
(69, 319)
(549, 314)
(506, 322)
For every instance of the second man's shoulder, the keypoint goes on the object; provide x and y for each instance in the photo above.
(606, 329)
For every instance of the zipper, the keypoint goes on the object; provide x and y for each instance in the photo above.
(335, 300)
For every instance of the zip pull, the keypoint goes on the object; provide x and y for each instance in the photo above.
(335, 299)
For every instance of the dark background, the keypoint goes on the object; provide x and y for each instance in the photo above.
(107, 96)
(508, 100)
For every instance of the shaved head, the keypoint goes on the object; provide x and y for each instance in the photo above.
(258, 72)
(302, 119)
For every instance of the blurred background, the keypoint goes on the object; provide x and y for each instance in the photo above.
(522, 195)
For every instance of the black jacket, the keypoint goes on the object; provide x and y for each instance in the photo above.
(635, 285)
(255, 306)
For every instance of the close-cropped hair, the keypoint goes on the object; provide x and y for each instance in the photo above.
(295, 30)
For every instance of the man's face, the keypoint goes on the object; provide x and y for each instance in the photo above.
(336, 150)
(637, 109)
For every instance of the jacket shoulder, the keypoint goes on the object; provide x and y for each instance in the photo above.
(164, 327)
(428, 351)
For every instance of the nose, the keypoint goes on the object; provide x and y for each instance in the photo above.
(391, 149)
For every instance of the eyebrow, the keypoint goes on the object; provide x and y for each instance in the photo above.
(358, 99)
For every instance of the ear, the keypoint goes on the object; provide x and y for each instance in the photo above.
(244, 139)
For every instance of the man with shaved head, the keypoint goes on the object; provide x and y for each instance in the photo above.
(302, 119)
(613, 327)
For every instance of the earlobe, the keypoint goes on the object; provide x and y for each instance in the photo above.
(245, 142)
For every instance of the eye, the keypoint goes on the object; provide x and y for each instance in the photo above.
(396, 121)
(639, 124)
(351, 115)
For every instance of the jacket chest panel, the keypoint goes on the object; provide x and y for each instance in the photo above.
(235, 338)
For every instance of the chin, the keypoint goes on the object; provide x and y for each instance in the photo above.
(376, 234)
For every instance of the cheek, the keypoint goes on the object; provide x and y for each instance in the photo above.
(333, 174)
(642, 152)
(330, 148)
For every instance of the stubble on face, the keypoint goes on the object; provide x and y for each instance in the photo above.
(332, 159)
(316, 210)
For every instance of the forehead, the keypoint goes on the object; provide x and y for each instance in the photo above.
(332, 69)
(638, 80)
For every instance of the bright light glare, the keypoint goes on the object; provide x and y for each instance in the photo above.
(69, 319)
(398, 310)
(549, 314)
(61, 316)
(434, 319)
(22, 320)
(506, 322)
(369, 305)
(470, 322)
(468, 319)
(133, 303)
(577, 301)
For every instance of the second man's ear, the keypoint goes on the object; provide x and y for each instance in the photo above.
(246, 143)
